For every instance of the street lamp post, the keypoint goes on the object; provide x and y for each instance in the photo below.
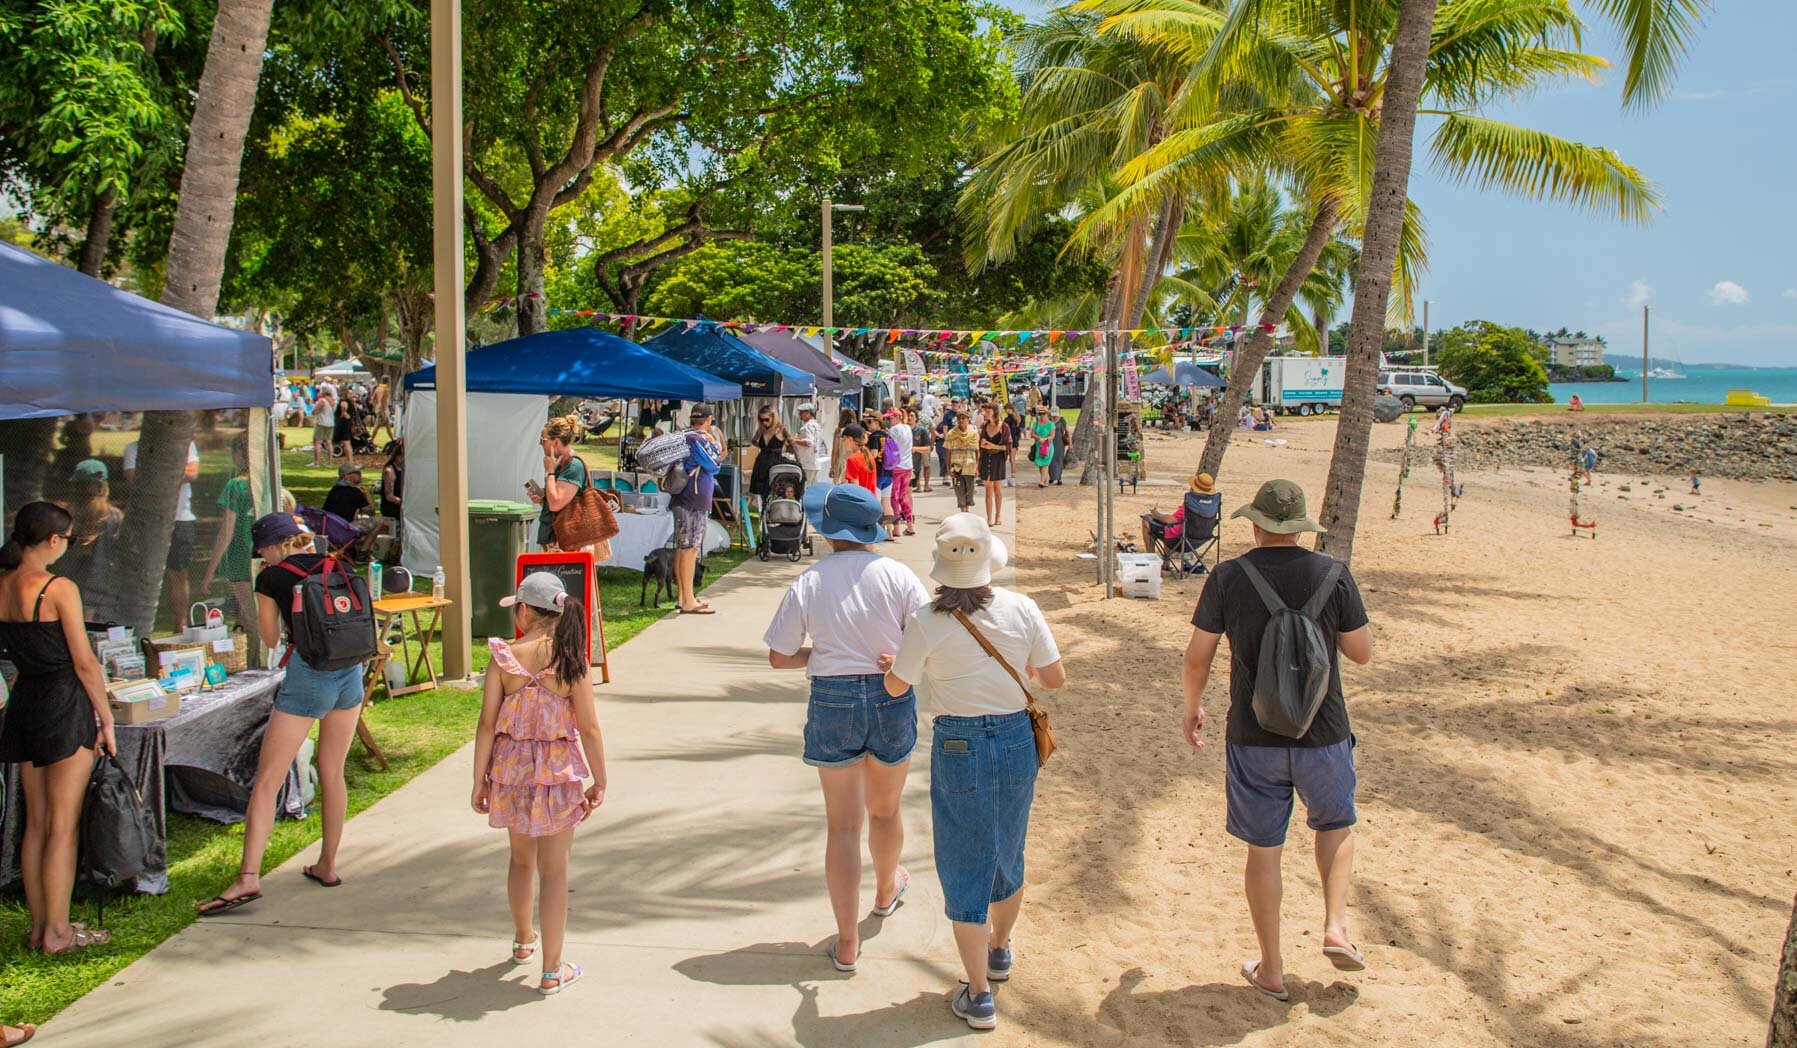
(829, 244)
(1425, 332)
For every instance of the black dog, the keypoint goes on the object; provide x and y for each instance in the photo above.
(658, 567)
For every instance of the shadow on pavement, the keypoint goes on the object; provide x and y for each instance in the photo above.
(463, 996)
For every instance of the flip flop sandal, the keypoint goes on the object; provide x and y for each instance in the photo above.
(224, 905)
(316, 879)
(1248, 970)
(840, 966)
(528, 949)
(82, 940)
(904, 886)
(1345, 958)
(562, 982)
(26, 1031)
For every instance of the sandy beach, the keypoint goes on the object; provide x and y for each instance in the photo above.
(1577, 775)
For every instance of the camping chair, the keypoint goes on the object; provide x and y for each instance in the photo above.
(342, 539)
(1199, 535)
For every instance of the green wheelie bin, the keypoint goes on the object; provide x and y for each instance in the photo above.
(497, 533)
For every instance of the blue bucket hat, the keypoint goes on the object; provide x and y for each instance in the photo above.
(845, 512)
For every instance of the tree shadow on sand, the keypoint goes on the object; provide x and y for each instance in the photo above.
(1213, 1013)
(462, 996)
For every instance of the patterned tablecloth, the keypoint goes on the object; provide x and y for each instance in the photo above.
(202, 761)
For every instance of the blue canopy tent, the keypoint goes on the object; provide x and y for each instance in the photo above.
(710, 348)
(71, 344)
(582, 362)
(1183, 373)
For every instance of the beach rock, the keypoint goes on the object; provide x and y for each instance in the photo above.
(1743, 446)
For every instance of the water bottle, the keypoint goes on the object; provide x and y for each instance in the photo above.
(438, 582)
(374, 581)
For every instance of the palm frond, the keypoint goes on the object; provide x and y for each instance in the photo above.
(1655, 34)
(1530, 163)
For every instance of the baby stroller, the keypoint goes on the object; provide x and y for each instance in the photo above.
(342, 539)
(784, 530)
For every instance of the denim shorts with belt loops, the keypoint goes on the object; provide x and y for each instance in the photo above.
(982, 782)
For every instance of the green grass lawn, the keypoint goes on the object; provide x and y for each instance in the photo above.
(414, 731)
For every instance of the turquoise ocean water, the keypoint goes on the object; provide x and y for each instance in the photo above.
(1698, 387)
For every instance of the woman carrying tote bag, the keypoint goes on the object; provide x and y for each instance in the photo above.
(969, 653)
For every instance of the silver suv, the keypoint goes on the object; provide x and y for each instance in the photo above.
(1414, 387)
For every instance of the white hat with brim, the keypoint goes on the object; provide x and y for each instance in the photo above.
(967, 553)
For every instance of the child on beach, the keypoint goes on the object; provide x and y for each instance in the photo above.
(537, 742)
(1696, 481)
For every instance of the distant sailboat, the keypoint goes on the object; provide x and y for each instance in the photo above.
(1668, 373)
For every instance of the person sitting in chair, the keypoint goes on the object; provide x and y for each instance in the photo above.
(1168, 527)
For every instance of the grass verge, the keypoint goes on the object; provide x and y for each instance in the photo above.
(415, 732)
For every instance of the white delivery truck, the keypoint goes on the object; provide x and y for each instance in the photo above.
(1302, 385)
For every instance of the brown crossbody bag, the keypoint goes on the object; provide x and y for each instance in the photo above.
(1039, 725)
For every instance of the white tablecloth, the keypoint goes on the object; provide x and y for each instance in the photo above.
(639, 534)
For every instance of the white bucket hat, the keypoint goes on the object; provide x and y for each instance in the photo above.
(967, 553)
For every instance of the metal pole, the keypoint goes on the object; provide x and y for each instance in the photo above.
(1425, 332)
(829, 276)
(1644, 310)
(452, 378)
(1109, 555)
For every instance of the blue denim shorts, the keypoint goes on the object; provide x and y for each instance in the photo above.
(852, 717)
(982, 781)
(306, 692)
(1261, 779)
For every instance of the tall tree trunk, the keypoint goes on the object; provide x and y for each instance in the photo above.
(1124, 305)
(25, 446)
(533, 308)
(196, 266)
(99, 233)
(1783, 1030)
(1254, 352)
(1373, 276)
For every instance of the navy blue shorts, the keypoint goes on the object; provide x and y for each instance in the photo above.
(1261, 779)
(852, 717)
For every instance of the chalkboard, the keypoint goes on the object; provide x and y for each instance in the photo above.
(577, 574)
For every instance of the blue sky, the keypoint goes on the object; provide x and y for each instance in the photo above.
(1718, 264)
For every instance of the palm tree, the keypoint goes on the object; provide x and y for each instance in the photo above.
(196, 266)
(1090, 103)
(1323, 84)
(1653, 33)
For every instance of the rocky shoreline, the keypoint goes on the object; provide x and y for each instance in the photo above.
(1746, 446)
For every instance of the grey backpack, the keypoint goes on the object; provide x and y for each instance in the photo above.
(1293, 676)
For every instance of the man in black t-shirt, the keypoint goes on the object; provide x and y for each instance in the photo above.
(347, 497)
(1264, 769)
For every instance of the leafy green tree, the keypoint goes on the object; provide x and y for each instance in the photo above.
(1496, 364)
(93, 109)
(876, 286)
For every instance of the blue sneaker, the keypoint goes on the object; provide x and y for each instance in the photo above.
(979, 1009)
(998, 964)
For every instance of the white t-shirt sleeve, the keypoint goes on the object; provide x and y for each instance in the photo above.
(786, 634)
(193, 454)
(1043, 651)
(130, 462)
(907, 665)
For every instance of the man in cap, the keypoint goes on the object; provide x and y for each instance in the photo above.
(1264, 768)
(814, 453)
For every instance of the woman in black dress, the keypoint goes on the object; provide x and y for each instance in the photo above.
(996, 444)
(772, 445)
(56, 719)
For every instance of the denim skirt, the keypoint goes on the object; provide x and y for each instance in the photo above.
(982, 781)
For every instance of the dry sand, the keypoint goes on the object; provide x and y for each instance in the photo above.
(1577, 776)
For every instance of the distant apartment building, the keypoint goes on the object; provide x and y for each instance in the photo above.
(1569, 352)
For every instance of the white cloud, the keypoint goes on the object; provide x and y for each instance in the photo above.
(1727, 293)
(1640, 294)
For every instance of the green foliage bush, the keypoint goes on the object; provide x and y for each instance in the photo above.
(1495, 363)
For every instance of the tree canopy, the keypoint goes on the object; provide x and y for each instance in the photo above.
(1496, 364)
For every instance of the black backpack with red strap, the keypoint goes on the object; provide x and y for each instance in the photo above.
(333, 619)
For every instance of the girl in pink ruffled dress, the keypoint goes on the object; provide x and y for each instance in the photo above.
(537, 744)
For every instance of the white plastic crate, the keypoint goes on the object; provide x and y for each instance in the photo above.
(1144, 588)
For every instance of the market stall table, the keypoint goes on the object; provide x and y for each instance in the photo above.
(640, 534)
(420, 674)
(202, 761)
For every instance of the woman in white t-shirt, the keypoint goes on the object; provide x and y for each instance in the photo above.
(853, 605)
(983, 757)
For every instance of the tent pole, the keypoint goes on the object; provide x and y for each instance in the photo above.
(452, 375)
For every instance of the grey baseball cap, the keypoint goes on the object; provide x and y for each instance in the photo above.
(540, 590)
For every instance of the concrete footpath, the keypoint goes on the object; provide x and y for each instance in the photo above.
(699, 910)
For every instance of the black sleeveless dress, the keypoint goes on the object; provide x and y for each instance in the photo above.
(48, 716)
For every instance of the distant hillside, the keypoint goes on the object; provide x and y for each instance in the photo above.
(1633, 364)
